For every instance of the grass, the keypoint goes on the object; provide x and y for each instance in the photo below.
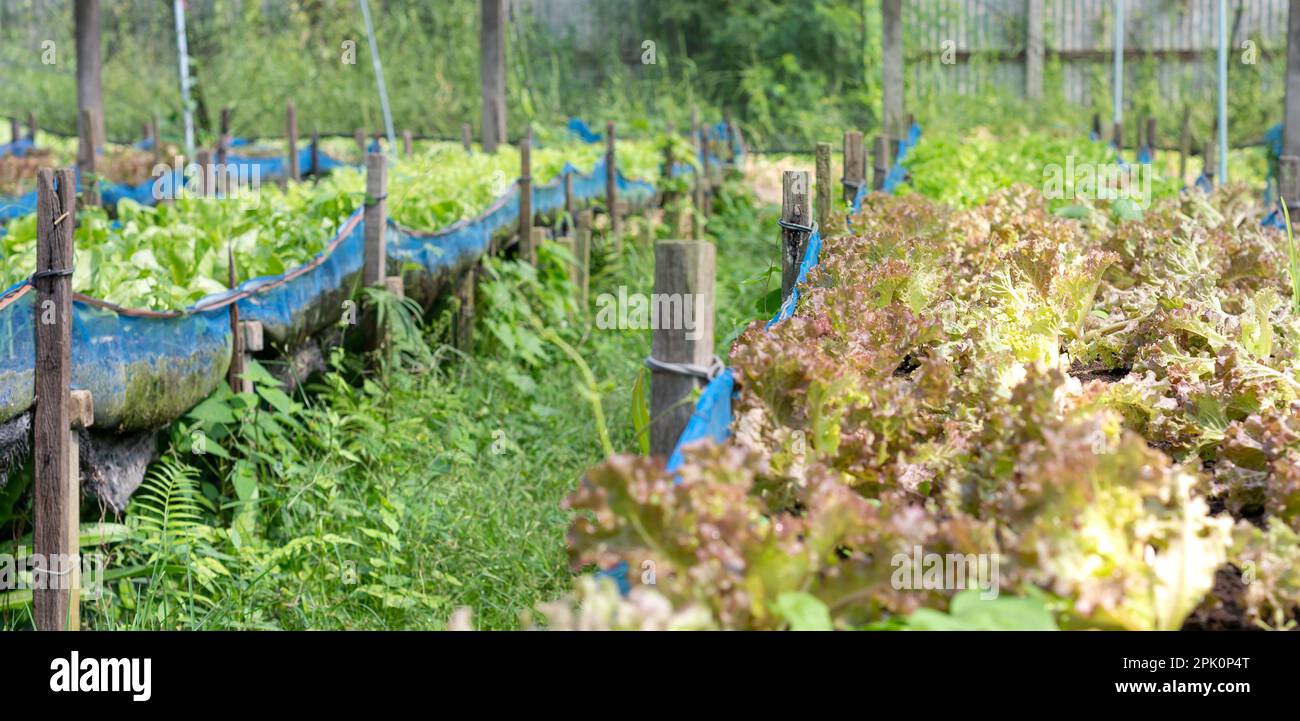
(388, 499)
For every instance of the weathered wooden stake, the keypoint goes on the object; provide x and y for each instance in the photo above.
(31, 126)
(855, 165)
(526, 249)
(880, 162)
(1185, 144)
(611, 180)
(54, 488)
(1211, 152)
(582, 254)
(1117, 136)
(684, 274)
(360, 136)
(81, 411)
(1288, 184)
(291, 132)
(14, 130)
(1096, 125)
(824, 184)
(891, 50)
(1291, 112)
(794, 210)
(223, 142)
(1151, 137)
(87, 157)
(374, 270)
(570, 204)
(204, 161)
(155, 128)
(1034, 49)
(315, 157)
(467, 137)
(465, 314)
(408, 144)
(492, 72)
(90, 94)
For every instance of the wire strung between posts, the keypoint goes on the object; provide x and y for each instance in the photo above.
(707, 373)
(791, 225)
(59, 273)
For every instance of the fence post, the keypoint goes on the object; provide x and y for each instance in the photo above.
(492, 72)
(467, 137)
(536, 236)
(855, 165)
(1185, 144)
(204, 161)
(223, 141)
(570, 204)
(891, 50)
(611, 180)
(315, 157)
(408, 148)
(359, 135)
(527, 252)
(14, 130)
(1210, 153)
(31, 127)
(880, 162)
(374, 270)
(824, 184)
(1291, 116)
(88, 153)
(1151, 137)
(54, 489)
(794, 210)
(582, 254)
(1117, 136)
(1034, 49)
(706, 167)
(1288, 182)
(291, 132)
(684, 273)
(155, 130)
(90, 93)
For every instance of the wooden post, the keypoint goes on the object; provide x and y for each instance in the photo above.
(1117, 136)
(1288, 184)
(794, 209)
(701, 178)
(31, 126)
(223, 140)
(492, 72)
(824, 184)
(360, 136)
(1185, 144)
(54, 488)
(204, 160)
(582, 253)
(611, 180)
(1291, 113)
(315, 157)
(15, 130)
(291, 132)
(90, 94)
(881, 162)
(855, 165)
(1151, 137)
(81, 412)
(238, 359)
(706, 166)
(684, 274)
(87, 157)
(526, 250)
(1096, 125)
(570, 204)
(1211, 152)
(374, 269)
(891, 50)
(408, 145)
(467, 137)
(465, 314)
(1034, 49)
(730, 155)
(155, 129)
(669, 160)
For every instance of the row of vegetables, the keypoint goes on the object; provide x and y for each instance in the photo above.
(166, 257)
(1095, 406)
